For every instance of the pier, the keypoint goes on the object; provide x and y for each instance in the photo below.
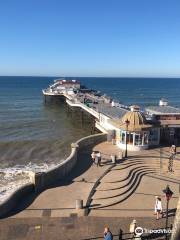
(128, 127)
(90, 101)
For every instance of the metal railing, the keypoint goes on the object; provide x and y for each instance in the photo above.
(131, 236)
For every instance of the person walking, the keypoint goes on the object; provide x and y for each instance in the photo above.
(173, 150)
(93, 156)
(107, 234)
(158, 207)
(171, 158)
(98, 159)
(170, 164)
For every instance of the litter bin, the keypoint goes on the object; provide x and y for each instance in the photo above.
(120, 155)
(113, 158)
(79, 204)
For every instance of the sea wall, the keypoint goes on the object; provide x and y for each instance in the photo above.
(11, 201)
(42, 180)
(46, 179)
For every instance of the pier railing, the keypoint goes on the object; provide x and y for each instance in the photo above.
(76, 103)
(131, 236)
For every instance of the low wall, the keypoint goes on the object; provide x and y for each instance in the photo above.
(14, 198)
(43, 180)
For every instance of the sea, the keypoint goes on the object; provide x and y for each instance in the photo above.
(35, 136)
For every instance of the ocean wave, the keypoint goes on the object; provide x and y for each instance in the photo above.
(13, 178)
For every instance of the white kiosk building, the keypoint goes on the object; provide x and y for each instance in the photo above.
(133, 128)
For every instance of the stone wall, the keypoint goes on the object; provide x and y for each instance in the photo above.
(13, 199)
(43, 180)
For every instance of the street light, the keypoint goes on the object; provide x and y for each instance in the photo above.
(127, 124)
(168, 194)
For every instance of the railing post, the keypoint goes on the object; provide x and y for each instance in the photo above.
(161, 155)
(120, 234)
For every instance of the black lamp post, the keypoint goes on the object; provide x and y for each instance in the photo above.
(168, 194)
(127, 124)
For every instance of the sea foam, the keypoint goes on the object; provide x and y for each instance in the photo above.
(15, 177)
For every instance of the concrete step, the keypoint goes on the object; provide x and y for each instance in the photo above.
(119, 175)
(124, 182)
(125, 165)
(121, 172)
(122, 195)
(105, 186)
(118, 189)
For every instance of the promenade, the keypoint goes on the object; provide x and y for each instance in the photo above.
(129, 189)
(125, 191)
(82, 228)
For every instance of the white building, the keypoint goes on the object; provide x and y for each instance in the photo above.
(132, 127)
(168, 118)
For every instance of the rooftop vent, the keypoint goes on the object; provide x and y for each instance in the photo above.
(163, 102)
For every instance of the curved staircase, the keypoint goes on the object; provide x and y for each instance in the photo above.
(121, 182)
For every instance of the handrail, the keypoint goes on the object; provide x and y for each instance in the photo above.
(122, 236)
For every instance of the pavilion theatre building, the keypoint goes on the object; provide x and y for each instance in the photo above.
(133, 127)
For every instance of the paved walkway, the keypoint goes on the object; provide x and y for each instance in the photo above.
(82, 228)
(127, 190)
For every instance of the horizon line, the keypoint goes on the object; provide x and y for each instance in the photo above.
(90, 76)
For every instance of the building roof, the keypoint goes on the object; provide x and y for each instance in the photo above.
(137, 122)
(163, 110)
(112, 112)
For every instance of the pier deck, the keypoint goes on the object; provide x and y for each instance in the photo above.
(96, 107)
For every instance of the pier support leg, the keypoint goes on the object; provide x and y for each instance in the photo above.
(71, 112)
(93, 126)
(82, 118)
(67, 108)
(45, 99)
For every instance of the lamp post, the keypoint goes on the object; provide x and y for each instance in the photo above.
(127, 124)
(168, 194)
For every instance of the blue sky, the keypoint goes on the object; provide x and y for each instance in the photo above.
(90, 37)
